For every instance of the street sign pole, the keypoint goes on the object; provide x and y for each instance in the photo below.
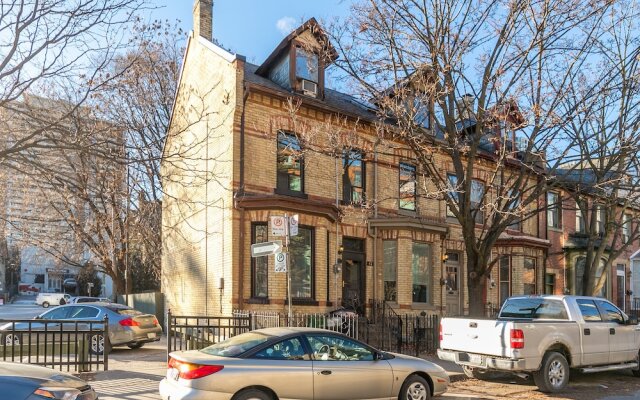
(286, 241)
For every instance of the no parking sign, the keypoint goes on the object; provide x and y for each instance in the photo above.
(281, 262)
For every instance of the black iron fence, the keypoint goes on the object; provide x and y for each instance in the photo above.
(413, 334)
(197, 332)
(77, 345)
(634, 311)
(383, 329)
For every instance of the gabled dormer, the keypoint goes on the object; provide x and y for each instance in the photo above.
(298, 63)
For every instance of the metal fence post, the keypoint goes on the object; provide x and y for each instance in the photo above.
(169, 325)
(107, 343)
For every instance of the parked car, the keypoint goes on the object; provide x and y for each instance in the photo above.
(298, 363)
(52, 299)
(30, 382)
(127, 327)
(544, 336)
(87, 299)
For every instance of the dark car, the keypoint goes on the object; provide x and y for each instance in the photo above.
(31, 382)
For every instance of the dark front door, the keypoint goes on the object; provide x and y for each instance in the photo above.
(353, 261)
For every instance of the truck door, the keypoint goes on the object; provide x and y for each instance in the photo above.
(595, 334)
(621, 336)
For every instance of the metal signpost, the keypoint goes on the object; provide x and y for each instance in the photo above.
(280, 226)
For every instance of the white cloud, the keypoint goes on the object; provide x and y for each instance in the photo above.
(286, 25)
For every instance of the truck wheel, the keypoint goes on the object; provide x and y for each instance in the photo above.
(553, 375)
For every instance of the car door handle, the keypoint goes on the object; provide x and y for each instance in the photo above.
(326, 372)
(612, 331)
(587, 331)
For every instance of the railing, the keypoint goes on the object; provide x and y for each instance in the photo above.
(77, 345)
(345, 322)
(198, 332)
(635, 307)
(408, 334)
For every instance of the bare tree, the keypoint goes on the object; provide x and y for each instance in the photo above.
(56, 48)
(416, 61)
(602, 174)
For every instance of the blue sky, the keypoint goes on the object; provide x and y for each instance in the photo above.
(253, 28)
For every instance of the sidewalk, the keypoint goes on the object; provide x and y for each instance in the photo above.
(132, 374)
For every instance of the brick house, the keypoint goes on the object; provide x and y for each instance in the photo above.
(567, 227)
(238, 154)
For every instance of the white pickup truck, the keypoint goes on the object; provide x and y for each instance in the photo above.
(544, 336)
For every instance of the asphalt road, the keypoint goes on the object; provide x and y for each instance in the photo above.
(20, 311)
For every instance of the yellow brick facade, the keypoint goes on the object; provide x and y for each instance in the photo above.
(207, 223)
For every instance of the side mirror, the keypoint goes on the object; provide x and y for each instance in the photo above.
(378, 356)
(632, 321)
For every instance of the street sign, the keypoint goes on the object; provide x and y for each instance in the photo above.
(293, 225)
(265, 248)
(281, 262)
(278, 226)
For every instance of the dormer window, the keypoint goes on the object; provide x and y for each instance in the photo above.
(306, 65)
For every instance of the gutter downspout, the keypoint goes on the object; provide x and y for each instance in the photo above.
(240, 193)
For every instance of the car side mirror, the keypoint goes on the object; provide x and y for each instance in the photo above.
(378, 356)
(632, 321)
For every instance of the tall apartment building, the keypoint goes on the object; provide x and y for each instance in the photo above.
(30, 220)
(250, 142)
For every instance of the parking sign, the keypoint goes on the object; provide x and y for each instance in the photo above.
(281, 262)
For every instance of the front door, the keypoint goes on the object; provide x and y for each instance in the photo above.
(353, 275)
(452, 283)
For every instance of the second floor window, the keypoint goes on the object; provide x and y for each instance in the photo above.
(290, 178)
(477, 195)
(600, 219)
(353, 177)
(580, 220)
(407, 187)
(626, 228)
(553, 210)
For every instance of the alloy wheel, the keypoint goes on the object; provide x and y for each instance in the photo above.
(556, 373)
(416, 391)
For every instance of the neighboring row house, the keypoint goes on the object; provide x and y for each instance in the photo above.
(248, 142)
(570, 226)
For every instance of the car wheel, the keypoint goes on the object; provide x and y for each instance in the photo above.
(252, 394)
(415, 388)
(11, 340)
(135, 345)
(45, 304)
(97, 345)
(636, 371)
(553, 375)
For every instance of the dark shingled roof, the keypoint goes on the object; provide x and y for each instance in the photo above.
(341, 102)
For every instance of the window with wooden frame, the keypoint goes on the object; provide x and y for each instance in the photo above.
(453, 193)
(477, 198)
(529, 276)
(353, 177)
(307, 71)
(422, 274)
(554, 208)
(302, 264)
(390, 266)
(549, 283)
(504, 277)
(601, 219)
(581, 226)
(626, 228)
(290, 165)
(259, 265)
(407, 187)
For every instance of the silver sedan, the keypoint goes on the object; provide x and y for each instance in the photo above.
(298, 363)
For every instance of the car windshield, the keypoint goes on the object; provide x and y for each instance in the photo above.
(125, 311)
(236, 345)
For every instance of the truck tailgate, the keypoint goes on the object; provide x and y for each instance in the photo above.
(481, 336)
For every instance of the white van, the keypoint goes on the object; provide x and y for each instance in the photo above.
(52, 299)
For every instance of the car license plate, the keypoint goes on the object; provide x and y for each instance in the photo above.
(151, 335)
(476, 359)
(173, 373)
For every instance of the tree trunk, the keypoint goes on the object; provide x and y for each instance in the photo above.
(476, 284)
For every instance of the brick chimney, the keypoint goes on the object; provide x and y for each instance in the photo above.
(202, 18)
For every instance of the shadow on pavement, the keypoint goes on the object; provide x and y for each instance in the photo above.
(125, 385)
